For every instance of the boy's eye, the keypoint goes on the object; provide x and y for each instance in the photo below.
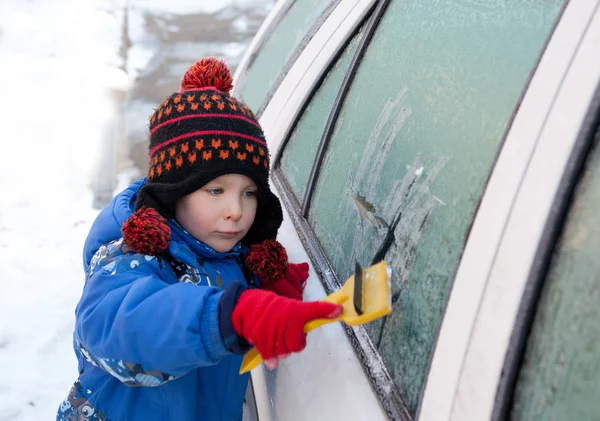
(215, 191)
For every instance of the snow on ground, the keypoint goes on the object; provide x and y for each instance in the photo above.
(53, 65)
(51, 74)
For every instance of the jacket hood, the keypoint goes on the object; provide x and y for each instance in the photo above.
(107, 225)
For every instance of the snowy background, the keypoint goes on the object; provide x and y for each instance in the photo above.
(55, 67)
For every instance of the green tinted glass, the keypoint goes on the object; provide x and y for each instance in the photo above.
(289, 35)
(298, 156)
(412, 150)
(560, 378)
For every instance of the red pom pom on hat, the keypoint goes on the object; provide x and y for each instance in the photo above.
(147, 232)
(268, 260)
(208, 72)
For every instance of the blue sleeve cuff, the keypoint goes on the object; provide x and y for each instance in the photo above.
(233, 342)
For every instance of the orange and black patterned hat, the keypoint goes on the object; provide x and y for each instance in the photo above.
(200, 133)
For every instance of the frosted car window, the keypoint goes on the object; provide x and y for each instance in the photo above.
(297, 158)
(412, 150)
(293, 31)
(560, 377)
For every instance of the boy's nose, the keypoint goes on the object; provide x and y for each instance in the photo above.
(234, 210)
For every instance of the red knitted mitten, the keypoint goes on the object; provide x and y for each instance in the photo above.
(275, 324)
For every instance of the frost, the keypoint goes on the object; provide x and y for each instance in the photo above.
(440, 201)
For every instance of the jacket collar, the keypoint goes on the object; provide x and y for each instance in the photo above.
(186, 248)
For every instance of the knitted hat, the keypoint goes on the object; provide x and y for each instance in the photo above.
(196, 135)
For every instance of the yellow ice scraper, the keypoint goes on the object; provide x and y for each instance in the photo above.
(365, 296)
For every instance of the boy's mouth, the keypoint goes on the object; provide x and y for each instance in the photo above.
(228, 234)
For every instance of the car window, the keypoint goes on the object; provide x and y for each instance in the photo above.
(412, 150)
(280, 50)
(297, 158)
(560, 376)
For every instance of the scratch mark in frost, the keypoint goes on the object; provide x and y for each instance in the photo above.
(437, 199)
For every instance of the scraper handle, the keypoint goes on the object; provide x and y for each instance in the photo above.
(374, 300)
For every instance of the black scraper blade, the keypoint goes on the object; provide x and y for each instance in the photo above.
(358, 288)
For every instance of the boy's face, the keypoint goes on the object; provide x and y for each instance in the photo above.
(221, 212)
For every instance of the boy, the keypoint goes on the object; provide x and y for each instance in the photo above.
(171, 302)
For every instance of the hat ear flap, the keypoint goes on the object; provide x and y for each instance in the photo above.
(268, 219)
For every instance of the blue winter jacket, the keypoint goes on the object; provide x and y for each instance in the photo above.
(152, 334)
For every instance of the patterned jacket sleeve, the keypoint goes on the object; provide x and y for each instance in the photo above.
(142, 329)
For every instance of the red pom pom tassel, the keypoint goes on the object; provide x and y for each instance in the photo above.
(208, 72)
(268, 260)
(147, 232)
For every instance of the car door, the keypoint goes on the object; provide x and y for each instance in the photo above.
(384, 146)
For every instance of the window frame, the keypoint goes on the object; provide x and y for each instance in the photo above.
(265, 32)
(526, 198)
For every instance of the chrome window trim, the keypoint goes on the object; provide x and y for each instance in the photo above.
(532, 207)
(447, 387)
